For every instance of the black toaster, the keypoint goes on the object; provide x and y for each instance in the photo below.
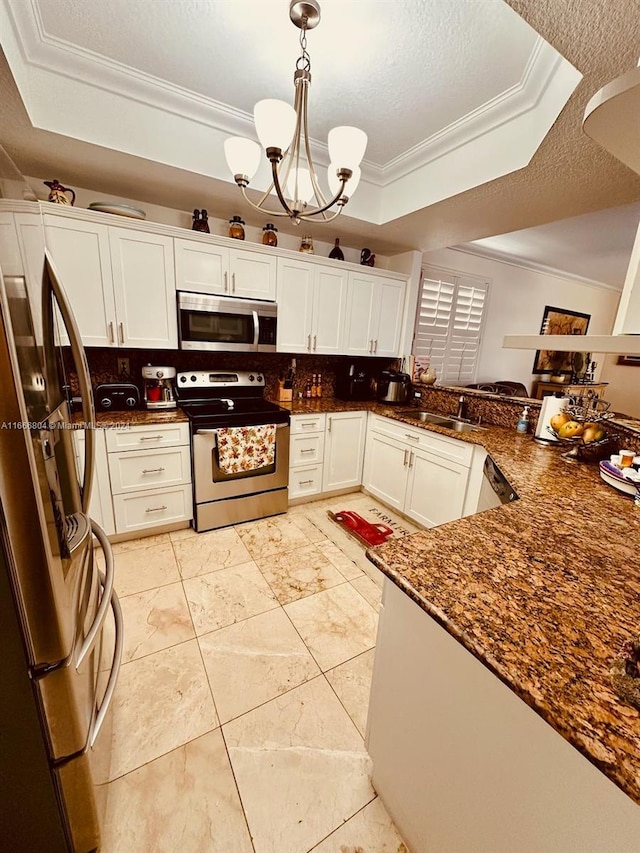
(116, 396)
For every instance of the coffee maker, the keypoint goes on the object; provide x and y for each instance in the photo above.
(353, 382)
(158, 387)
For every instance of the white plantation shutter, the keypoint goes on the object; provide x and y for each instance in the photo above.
(449, 325)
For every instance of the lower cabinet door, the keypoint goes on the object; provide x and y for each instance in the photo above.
(100, 506)
(436, 489)
(344, 446)
(152, 508)
(385, 469)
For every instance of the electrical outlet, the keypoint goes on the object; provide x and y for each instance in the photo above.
(123, 366)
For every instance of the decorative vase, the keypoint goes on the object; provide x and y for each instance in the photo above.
(57, 193)
(200, 224)
(428, 376)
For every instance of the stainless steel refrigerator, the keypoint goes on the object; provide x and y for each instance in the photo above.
(60, 658)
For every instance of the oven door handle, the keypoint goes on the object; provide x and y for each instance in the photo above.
(215, 431)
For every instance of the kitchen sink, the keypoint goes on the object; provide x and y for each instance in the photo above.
(448, 422)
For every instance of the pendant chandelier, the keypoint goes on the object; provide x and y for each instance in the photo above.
(284, 135)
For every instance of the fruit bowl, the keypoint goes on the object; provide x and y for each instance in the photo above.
(581, 424)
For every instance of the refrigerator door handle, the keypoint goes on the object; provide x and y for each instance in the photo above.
(107, 592)
(84, 379)
(115, 666)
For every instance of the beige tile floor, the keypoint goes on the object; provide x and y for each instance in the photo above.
(241, 709)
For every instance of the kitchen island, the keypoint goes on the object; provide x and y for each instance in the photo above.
(540, 593)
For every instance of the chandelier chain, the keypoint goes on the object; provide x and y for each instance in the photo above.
(303, 63)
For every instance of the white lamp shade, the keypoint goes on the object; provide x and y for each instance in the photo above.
(275, 122)
(243, 155)
(305, 187)
(334, 180)
(347, 146)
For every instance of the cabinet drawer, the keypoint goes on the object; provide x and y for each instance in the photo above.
(147, 437)
(306, 449)
(140, 510)
(149, 469)
(307, 423)
(305, 480)
(447, 448)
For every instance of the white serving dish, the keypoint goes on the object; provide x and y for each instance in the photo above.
(118, 209)
(618, 481)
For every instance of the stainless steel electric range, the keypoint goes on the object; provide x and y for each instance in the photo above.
(213, 400)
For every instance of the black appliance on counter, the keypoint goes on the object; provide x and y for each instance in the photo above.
(353, 382)
(117, 396)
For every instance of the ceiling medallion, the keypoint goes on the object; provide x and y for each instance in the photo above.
(283, 132)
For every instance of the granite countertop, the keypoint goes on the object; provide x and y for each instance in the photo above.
(542, 591)
(133, 417)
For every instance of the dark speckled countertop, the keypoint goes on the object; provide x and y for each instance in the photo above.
(543, 591)
(134, 417)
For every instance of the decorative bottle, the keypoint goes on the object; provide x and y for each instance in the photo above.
(319, 385)
(236, 228)
(336, 253)
(306, 244)
(269, 235)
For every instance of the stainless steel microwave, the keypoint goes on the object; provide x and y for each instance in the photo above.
(226, 325)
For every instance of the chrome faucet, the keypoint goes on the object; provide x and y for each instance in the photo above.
(462, 408)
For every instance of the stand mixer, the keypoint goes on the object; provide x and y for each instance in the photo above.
(158, 387)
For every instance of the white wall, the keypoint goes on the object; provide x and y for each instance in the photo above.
(517, 298)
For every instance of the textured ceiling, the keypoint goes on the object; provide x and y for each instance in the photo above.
(412, 67)
(568, 176)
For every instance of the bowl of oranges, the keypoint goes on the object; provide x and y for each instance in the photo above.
(584, 427)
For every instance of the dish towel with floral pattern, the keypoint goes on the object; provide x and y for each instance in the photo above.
(246, 448)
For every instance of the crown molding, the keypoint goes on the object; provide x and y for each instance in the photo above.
(533, 266)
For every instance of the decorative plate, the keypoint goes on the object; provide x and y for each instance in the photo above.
(118, 209)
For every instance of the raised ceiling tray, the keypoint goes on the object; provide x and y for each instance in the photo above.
(117, 209)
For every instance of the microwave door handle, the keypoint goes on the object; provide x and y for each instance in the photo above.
(115, 667)
(84, 379)
(256, 330)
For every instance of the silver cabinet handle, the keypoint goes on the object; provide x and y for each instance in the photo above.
(375, 345)
(112, 337)
(121, 332)
(115, 668)
(308, 450)
(306, 424)
(404, 464)
(315, 338)
(152, 470)
(226, 281)
(309, 342)
(370, 346)
(411, 459)
(329, 427)
(305, 482)
(233, 282)
(412, 437)
(149, 438)
(156, 509)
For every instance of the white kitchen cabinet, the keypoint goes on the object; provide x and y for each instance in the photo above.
(100, 506)
(82, 258)
(143, 282)
(203, 267)
(344, 450)
(312, 302)
(306, 455)
(374, 313)
(150, 474)
(418, 472)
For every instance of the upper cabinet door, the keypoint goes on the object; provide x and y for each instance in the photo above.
(80, 252)
(253, 275)
(390, 305)
(295, 306)
(361, 304)
(144, 288)
(329, 310)
(202, 268)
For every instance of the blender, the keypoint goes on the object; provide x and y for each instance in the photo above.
(158, 387)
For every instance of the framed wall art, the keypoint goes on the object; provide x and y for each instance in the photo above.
(559, 321)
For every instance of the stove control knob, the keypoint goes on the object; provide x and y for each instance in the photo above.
(130, 402)
(183, 379)
(251, 378)
(106, 402)
(193, 378)
(259, 378)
